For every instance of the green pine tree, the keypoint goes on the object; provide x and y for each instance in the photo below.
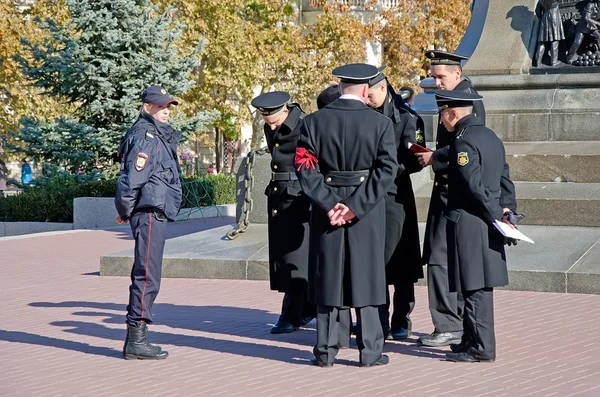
(100, 60)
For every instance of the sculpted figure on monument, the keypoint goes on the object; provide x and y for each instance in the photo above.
(587, 25)
(551, 30)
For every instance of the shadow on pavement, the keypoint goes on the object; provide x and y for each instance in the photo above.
(234, 321)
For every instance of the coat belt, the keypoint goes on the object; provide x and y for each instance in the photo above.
(346, 178)
(283, 176)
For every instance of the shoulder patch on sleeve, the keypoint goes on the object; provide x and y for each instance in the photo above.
(463, 158)
(419, 135)
(140, 161)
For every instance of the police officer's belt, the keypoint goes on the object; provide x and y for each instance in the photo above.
(283, 176)
(346, 178)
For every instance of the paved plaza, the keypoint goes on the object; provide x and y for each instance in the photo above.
(62, 331)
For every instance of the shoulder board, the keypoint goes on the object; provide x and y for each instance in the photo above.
(149, 135)
(461, 133)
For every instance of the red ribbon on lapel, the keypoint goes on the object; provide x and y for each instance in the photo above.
(305, 158)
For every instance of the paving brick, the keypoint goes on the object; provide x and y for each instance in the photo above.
(62, 330)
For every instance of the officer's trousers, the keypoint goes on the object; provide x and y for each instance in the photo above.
(296, 306)
(369, 335)
(149, 232)
(404, 303)
(446, 307)
(479, 323)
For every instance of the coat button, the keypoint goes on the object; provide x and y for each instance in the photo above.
(436, 184)
(328, 180)
(274, 167)
(362, 178)
(276, 145)
(274, 212)
(446, 185)
(274, 189)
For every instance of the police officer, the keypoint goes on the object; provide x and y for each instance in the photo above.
(148, 195)
(446, 307)
(288, 210)
(402, 245)
(476, 257)
(346, 162)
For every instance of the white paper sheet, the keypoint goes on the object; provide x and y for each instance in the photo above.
(507, 231)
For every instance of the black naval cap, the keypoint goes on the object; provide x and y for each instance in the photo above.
(327, 96)
(270, 102)
(444, 58)
(157, 95)
(379, 77)
(455, 99)
(355, 73)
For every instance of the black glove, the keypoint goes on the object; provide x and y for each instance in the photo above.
(510, 241)
(513, 218)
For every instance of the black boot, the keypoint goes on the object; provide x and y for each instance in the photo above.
(136, 346)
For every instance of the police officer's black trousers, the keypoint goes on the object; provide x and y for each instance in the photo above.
(149, 233)
(479, 323)
(369, 335)
(296, 306)
(446, 307)
(404, 303)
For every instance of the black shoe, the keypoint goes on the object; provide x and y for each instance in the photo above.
(400, 334)
(319, 363)
(459, 347)
(441, 339)
(464, 357)
(283, 327)
(137, 348)
(383, 360)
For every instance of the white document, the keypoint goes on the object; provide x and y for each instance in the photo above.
(509, 232)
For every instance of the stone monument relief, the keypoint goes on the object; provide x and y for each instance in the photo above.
(568, 34)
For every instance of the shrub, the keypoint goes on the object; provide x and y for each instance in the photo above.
(52, 199)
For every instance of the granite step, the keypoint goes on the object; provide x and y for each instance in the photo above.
(563, 259)
(554, 161)
(544, 203)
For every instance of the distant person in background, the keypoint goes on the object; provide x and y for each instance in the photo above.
(408, 94)
(3, 176)
(212, 169)
(26, 175)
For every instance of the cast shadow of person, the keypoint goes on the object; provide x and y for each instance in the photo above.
(233, 321)
(524, 21)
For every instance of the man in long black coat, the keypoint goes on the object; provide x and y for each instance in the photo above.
(476, 257)
(445, 306)
(403, 261)
(346, 161)
(288, 211)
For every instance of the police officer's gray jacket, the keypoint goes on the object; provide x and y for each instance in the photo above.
(150, 177)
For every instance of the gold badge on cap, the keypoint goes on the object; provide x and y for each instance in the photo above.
(463, 158)
(163, 91)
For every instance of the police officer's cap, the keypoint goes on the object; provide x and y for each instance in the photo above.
(444, 58)
(355, 73)
(327, 96)
(157, 95)
(380, 76)
(270, 102)
(455, 99)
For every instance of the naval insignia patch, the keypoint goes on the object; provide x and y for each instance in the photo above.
(463, 158)
(419, 136)
(140, 161)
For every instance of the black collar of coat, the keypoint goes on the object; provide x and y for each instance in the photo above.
(467, 121)
(164, 130)
(347, 104)
(464, 85)
(294, 116)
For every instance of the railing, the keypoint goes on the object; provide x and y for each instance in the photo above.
(355, 4)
